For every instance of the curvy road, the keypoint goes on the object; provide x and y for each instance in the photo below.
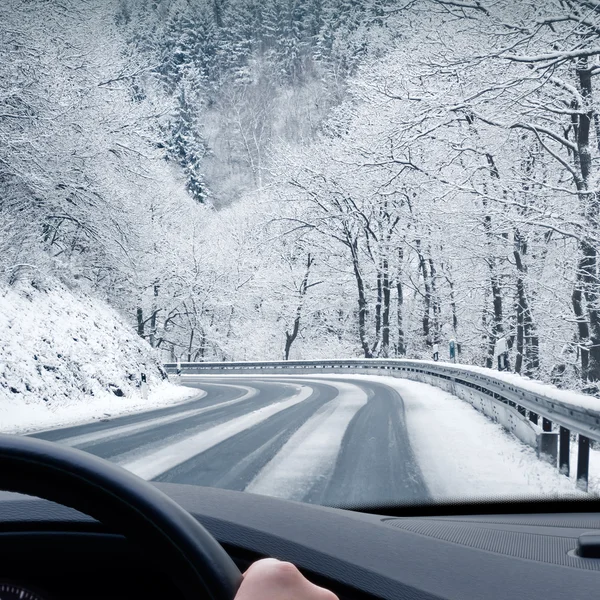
(337, 442)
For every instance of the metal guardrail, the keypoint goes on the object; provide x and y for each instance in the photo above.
(519, 406)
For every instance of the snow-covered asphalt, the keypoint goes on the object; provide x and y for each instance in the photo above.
(330, 439)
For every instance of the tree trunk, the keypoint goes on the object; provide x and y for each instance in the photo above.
(588, 265)
(532, 347)
(153, 317)
(190, 345)
(378, 306)
(202, 349)
(362, 300)
(527, 340)
(587, 268)
(385, 317)
(495, 282)
(497, 329)
(497, 323)
(290, 337)
(520, 326)
(140, 322)
(401, 347)
(427, 297)
(435, 303)
(453, 305)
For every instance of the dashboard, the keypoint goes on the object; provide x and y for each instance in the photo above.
(50, 552)
(46, 565)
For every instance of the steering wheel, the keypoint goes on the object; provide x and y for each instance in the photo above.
(132, 506)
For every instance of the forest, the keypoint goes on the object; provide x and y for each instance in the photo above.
(289, 179)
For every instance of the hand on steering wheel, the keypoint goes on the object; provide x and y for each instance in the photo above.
(276, 580)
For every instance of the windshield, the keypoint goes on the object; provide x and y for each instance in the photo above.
(333, 251)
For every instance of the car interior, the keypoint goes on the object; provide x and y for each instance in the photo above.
(80, 527)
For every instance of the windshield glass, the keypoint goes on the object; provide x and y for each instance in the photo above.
(333, 251)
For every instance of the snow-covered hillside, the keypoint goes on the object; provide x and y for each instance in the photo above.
(65, 358)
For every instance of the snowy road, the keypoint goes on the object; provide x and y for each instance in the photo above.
(312, 439)
(334, 440)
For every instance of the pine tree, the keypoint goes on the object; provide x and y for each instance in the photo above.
(242, 34)
(187, 146)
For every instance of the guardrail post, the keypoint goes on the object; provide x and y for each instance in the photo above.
(546, 424)
(548, 446)
(533, 417)
(564, 458)
(583, 462)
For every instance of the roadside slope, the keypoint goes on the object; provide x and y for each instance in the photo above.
(66, 358)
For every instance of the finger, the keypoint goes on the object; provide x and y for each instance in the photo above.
(260, 563)
(317, 592)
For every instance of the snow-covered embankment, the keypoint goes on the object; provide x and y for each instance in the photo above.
(66, 358)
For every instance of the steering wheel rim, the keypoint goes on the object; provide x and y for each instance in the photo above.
(121, 500)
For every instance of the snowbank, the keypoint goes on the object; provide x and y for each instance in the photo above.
(66, 358)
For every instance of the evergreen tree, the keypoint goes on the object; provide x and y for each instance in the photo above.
(187, 146)
(243, 33)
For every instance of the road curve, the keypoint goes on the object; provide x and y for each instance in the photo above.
(333, 441)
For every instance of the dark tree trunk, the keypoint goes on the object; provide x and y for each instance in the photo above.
(497, 321)
(362, 300)
(153, 317)
(202, 349)
(527, 340)
(453, 305)
(588, 265)
(587, 269)
(378, 306)
(427, 296)
(520, 326)
(532, 349)
(401, 348)
(385, 317)
(290, 336)
(190, 346)
(489, 358)
(495, 282)
(140, 322)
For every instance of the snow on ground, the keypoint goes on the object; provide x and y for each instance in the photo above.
(463, 454)
(32, 416)
(310, 453)
(149, 466)
(66, 359)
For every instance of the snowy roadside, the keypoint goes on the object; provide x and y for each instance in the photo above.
(67, 358)
(24, 418)
(464, 455)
